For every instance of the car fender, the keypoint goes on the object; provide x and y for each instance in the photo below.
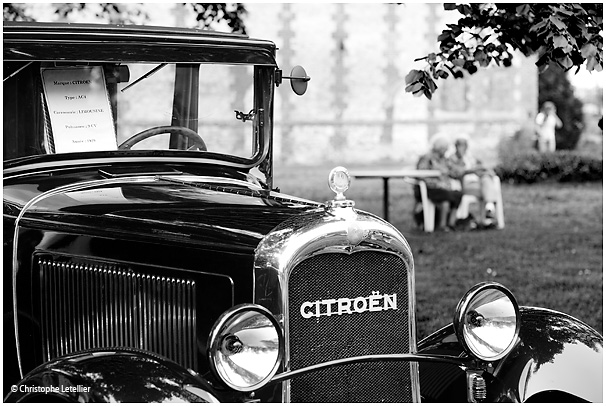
(556, 358)
(112, 376)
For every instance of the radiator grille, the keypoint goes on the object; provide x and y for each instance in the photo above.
(85, 306)
(319, 339)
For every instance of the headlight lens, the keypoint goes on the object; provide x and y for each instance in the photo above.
(246, 347)
(487, 321)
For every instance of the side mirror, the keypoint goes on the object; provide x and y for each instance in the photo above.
(298, 79)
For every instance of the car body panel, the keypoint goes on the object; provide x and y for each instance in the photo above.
(115, 376)
(556, 357)
(189, 207)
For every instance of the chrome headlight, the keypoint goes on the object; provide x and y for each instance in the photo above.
(246, 347)
(487, 321)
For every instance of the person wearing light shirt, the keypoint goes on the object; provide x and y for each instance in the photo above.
(475, 178)
(546, 123)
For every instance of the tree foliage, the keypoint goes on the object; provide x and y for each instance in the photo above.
(564, 35)
(207, 14)
(232, 14)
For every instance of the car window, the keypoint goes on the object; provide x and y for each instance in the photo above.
(55, 108)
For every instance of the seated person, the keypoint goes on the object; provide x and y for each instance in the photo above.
(440, 190)
(475, 178)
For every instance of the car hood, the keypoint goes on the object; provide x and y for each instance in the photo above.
(213, 212)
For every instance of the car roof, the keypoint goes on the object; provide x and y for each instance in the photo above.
(39, 41)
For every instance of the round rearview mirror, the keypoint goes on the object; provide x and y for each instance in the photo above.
(487, 321)
(246, 347)
(298, 80)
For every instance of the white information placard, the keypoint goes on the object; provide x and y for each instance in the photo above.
(79, 109)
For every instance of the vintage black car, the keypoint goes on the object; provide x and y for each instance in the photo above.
(148, 255)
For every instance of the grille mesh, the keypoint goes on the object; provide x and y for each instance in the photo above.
(314, 340)
(86, 306)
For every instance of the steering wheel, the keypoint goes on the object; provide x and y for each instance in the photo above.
(163, 129)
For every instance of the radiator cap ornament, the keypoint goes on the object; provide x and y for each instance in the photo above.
(339, 181)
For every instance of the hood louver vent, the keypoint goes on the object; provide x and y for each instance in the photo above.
(85, 306)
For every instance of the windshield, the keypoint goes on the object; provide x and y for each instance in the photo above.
(80, 107)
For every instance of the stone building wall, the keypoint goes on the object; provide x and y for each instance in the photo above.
(356, 111)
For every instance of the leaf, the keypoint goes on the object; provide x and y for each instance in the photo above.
(450, 6)
(565, 12)
(588, 50)
(523, 9)
(444, 35)
(566, 62)
(557, 22)
(430, 84)
(419, 93)
(458, 62)
(450, 69)
(538, 26)
(414, 87)
(479, 54)
(413, 76)
(592, 62)
(464, 9)
(560, 41)
(454, 28)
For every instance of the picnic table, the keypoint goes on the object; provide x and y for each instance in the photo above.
(386, 174)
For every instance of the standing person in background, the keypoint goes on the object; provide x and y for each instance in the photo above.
(546, 123)
(440, 190)
(475, 178)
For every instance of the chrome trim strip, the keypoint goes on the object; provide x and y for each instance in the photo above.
(189, 179)
(191, 38)
(319, 231)
(46, 166)
(462, 362)
(61, 189)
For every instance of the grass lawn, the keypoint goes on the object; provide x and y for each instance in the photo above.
(549, 254)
